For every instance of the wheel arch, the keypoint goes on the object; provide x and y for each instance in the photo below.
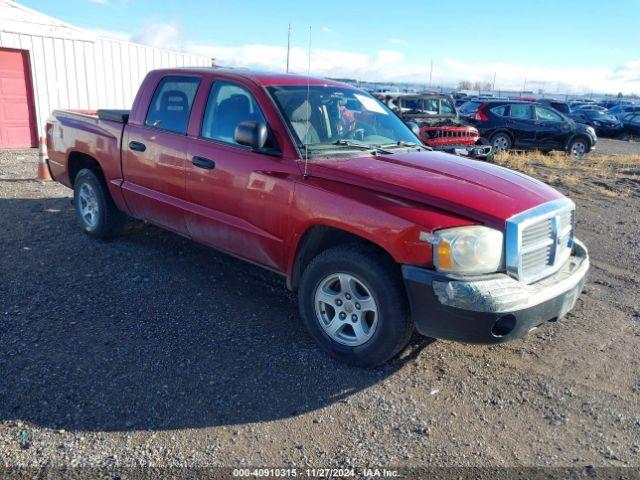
(320, 237)
(575, 137)
(502, 130)
(77, 160)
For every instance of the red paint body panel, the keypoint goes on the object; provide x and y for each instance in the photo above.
(258, 206)
(17, 116)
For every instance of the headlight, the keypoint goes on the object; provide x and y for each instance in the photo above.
(591, 130)
(468, 250)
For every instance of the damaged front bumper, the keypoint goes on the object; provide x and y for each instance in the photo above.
(495, 308)
(477, 151)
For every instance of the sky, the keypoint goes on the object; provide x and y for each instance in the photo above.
(559, 46)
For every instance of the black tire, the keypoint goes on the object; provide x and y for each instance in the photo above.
(579, 147)
(382, 278)
(108, 219)
(501, 142)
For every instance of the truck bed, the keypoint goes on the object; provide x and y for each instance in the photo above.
(94, 133)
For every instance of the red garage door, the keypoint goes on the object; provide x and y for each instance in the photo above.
(17, 122)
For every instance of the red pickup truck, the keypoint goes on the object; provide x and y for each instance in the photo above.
(322, 183)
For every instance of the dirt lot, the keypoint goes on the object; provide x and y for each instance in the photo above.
(152, 350)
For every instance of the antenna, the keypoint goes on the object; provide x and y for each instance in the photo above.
(306, 133)
(288, 47)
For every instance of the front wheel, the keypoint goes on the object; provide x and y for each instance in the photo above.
(578, 147)
(353, 303)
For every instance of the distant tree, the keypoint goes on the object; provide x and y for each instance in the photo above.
(487, 86)
(477, 85)
(464, 85)
(620, 95)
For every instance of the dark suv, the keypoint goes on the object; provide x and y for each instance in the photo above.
(531, 126)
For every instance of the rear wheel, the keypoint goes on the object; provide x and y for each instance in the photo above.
(98, 215)
(352, 300)
(501, 142)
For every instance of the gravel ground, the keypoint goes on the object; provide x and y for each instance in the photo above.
(609, 146)
(152, 350)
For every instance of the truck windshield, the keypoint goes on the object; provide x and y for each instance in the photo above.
(333, 119)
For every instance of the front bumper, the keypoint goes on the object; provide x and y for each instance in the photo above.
(495, 308)
(606, 131)
(471, 151)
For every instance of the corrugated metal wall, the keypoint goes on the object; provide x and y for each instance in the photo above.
(89, 73)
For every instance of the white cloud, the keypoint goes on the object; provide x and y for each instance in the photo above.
(625, 78)
(100, 2)
(163, 35)
(326, 30)
(398, 41)
(392, 65)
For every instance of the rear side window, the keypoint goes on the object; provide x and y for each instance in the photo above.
(500, 111)
(521, 111)
(171, 104)
(228, 106)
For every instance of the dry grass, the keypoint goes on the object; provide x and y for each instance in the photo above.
(607, 175)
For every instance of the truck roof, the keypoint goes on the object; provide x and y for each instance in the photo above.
(263, 78)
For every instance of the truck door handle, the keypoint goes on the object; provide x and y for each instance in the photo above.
(202, 162)
(137, 146)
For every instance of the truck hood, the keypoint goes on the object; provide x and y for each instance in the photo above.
(479, 191)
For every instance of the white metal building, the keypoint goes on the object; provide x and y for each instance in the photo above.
(47, 64)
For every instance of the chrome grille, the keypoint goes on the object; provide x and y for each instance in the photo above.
(539, 240)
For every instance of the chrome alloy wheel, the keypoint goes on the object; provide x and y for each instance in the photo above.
(578, 149)
(346, 309)
(501, 144)
(88, 206)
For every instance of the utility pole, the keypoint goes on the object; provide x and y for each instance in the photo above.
(493, 85)
(288, 47)
(524, 87)
(431, 73)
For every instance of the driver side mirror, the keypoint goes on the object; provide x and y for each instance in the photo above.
(251, 134)
(414, 128)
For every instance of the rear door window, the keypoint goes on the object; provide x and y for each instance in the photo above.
(171, 104)
(521, 112)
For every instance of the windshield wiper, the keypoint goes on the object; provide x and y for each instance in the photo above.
(406, 145)
(363, 146)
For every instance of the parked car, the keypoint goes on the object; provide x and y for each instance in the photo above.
(631, 123)
(603, 122)
(576, 104)
(437, 124)
(320, 182)
(557, 105)
(510, 125)
(609, 104)
(620, 110)
(590, 107)
(468, 109)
